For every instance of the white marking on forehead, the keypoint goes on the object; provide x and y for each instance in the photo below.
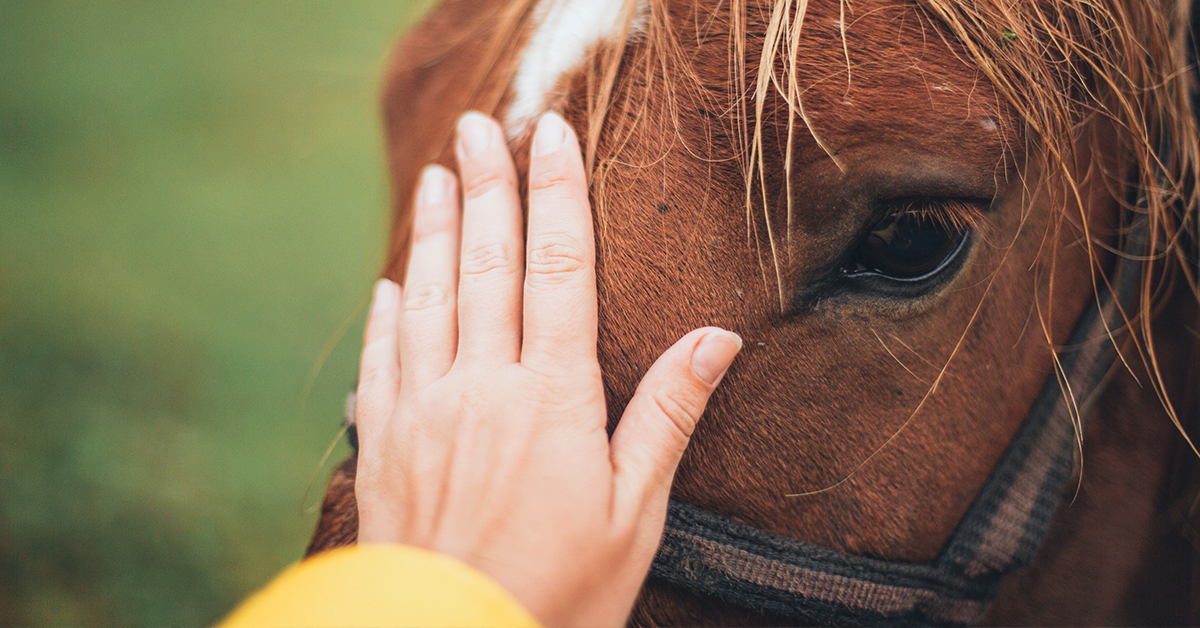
(566, 31)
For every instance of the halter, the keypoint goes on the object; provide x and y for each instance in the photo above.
(715, 555)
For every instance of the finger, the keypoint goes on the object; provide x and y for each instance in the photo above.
(489, 281)
(559, 320)
(379, 370)
(428, 318)
(658, 422)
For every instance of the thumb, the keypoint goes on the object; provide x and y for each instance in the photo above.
(658, 422)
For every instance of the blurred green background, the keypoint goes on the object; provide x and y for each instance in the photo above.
(192, 209)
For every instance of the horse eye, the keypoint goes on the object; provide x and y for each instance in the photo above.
(907, 246)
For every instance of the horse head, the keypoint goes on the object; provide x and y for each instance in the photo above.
(906, 208)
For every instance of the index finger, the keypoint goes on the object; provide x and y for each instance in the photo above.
(560, 277)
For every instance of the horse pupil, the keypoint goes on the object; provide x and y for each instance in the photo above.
(907, 246)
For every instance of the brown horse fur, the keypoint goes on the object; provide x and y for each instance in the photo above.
(886, 414)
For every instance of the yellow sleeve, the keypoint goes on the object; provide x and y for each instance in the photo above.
(380, 585)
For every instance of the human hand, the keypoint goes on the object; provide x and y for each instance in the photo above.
(481, 414)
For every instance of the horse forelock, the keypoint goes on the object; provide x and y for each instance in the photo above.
(564, 33)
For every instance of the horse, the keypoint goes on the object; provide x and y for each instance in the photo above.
(959, 239)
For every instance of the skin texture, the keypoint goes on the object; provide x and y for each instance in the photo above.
(828, 382)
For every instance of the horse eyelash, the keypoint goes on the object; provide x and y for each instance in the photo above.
(957, 215)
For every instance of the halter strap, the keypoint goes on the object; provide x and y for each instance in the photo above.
(715, 555)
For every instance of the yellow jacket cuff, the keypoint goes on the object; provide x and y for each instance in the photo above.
(380, 585)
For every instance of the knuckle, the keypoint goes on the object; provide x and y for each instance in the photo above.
(556, 258)
(477, 404)
(680, 411)
(426, 297)
(554, 179)
(372, 376)
(370, 409)
(427, 226)
(485, 258)
(481, 183)
(547, 388)
(377, 344)
(475, 401)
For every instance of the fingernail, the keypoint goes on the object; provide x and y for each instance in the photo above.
(475, 134)
(550, 134)
(713, 355)
(435, 186)
(386, 295)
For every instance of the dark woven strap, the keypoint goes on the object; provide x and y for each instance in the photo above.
(715, 555)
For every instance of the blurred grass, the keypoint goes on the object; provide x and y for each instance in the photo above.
(192, 202)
